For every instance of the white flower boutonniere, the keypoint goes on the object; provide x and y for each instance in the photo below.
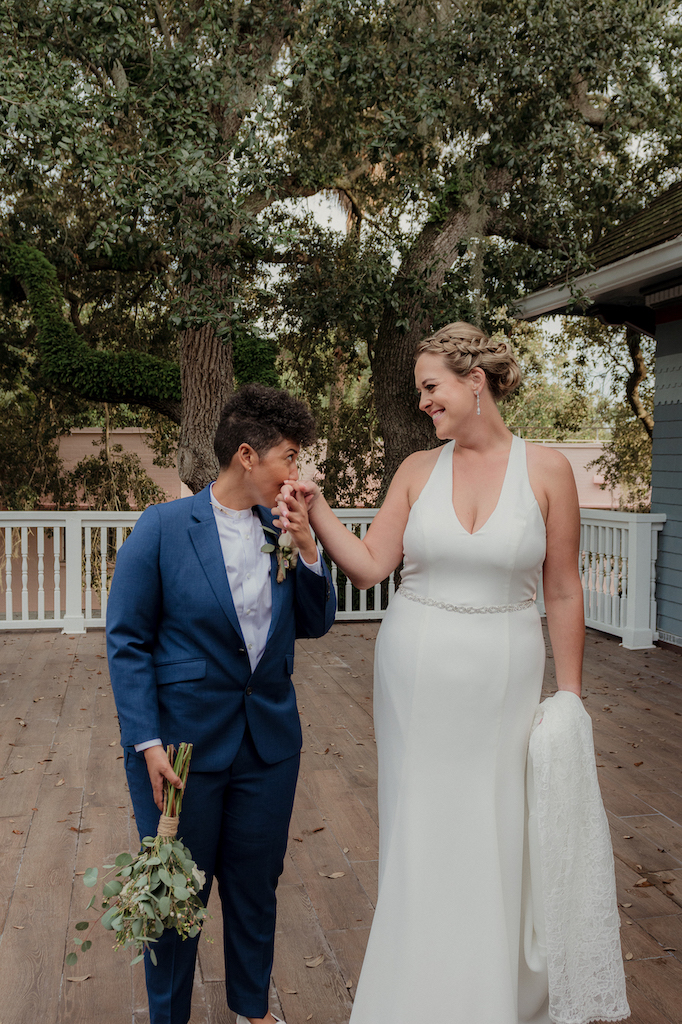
(287, 552)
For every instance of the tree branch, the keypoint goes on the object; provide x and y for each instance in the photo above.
(68, 361)
(594, 116)
(639, 373)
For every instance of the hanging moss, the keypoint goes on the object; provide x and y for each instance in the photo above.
(67, 360)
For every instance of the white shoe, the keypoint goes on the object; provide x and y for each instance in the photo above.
(245, 1020)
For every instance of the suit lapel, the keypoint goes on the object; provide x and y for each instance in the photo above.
(204, 536)
(276, 588)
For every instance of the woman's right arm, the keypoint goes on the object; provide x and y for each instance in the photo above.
(370, 560)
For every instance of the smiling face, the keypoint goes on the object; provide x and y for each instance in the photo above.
(269, 471)
(444, 396)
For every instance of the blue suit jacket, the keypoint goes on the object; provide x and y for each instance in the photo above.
(177, 658)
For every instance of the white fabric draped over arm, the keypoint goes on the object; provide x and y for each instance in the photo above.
(572, 860)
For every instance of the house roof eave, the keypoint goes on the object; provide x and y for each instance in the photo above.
(622, 280)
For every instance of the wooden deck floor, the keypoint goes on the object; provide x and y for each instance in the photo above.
(64, 807)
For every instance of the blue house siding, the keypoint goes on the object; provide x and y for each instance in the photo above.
(667, 479)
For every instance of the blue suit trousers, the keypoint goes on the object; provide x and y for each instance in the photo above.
(235, 822)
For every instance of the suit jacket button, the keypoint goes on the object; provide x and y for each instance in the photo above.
(249, 691)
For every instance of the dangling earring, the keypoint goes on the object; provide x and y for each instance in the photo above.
(478, 403)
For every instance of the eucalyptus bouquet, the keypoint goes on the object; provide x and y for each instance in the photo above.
(154, 890)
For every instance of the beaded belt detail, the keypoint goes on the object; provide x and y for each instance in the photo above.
(466, 609)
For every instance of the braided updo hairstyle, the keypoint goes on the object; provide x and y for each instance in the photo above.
(463, 347)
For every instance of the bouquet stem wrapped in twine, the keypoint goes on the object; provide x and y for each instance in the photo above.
(155, 890)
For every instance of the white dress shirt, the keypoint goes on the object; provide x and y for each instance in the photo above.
(241, 537)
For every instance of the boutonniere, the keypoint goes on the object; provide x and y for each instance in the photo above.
(287, 552)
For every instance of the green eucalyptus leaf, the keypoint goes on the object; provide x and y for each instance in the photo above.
(137, 959)
(152, 957)
(83, 925)
(86, 945)
(123, 860)
(108, 918)
(71, 959)
(267, 549)
(90, 877)
(164, 906)
(112, 888)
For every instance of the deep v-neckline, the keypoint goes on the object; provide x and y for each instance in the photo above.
(505, 481)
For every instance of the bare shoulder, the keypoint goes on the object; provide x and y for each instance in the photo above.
(416, 470)
(551, 477)
(546, 459)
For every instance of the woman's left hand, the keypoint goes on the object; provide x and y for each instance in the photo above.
(291, 513)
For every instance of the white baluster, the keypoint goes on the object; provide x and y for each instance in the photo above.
(87, 539)
(103, 588)
(24, 574)
(40, 547)
(9, 607)
(57, 571)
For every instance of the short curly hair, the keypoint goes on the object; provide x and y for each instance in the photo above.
(463, 347)
(262, 417)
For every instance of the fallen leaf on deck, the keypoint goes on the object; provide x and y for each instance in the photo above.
(79, 873)
(316, 962)
(297, 839)
(345, 849)
(17, 771)
(349, 983)
(670, 949)
(643, 883)
(113, 744)
(628, 956)
(334, 874)
(74, 829)
(309, 1017)
(83, 977)
(20, 721)
(311, 831)
(60, 783)
(19, 927)
(637, 763)
(17, 832)
(627, 837)
(626, 905)
(290, 991)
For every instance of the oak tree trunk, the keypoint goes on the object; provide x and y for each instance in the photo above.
(207, 383)
(404, 428)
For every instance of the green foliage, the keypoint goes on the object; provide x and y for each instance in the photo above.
(153, 891)
(625, 462)
(160, 150)
(108, 481)
(67, 360)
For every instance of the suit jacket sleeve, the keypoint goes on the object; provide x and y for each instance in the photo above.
(133, 613)
(315, 601)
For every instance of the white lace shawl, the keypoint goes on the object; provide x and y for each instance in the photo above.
(575, 914)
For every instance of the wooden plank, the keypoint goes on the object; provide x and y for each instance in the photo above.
(31, 962)
(638, 901)
(639, 849)
(320, 991)
(643, 1011)
(667, 931)
(367, 872)
(660, 981)
(349, 949)
(348, 819)
(13, 838)
(339, 902)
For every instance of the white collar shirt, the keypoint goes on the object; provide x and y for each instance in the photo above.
(248, 573)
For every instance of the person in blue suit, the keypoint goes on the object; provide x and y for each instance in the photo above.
(200, 636)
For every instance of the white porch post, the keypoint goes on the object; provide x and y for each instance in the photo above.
(74, 620)
(639, 627)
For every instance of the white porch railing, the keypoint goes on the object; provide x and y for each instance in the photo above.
(56, 568)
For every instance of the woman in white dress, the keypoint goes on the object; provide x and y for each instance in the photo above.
(458, 674)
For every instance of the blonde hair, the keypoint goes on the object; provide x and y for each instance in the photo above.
(464, 347)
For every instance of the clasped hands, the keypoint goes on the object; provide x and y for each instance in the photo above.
(293, 504)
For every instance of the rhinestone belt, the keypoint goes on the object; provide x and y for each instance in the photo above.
(466, 609)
